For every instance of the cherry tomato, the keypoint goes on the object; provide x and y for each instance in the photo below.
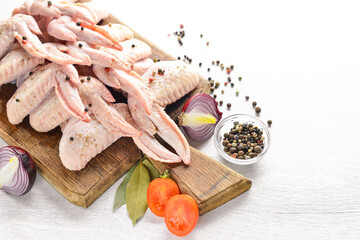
(159, 192)
(181, 214)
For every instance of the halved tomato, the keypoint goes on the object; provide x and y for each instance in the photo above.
(160, 190)
(181, 214)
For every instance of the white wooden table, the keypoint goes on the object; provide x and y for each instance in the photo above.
(300, 62)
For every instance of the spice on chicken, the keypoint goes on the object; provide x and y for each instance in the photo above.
(244, 141)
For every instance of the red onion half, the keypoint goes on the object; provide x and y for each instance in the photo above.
(17, 171)
(200, 116)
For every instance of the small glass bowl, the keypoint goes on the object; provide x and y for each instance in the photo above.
(227, 123)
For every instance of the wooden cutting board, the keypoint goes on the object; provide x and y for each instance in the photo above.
(209, 182)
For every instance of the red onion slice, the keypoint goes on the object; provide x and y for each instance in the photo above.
(23, 178)
(200, 116)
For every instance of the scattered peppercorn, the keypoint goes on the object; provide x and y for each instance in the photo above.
(201, 35)
(257, 109)
(229, 79)
(80, 45)
(82, 28)
(237, 92)
(49, 3)
(240, 78)
(217, 84)
(179, 58)
(67, 78)
(254, 103)
(269, 122)
(30, 73)
(208, 69)
(88, 78)
(247, 98)
(133, 46)
(232, 84)
(217, 62)
(82, 80)
(86, 110)
(214, 96)
(222, 91)
(200, 64)
(232, 67)
(207, 43)
(24, 37)
(221, 102)
(225, 83)
(71, 139)
(181, 26)
(228, 105)
(78, 24)
(90, 105)
(213, 62)
(228, 70)
(17, 100)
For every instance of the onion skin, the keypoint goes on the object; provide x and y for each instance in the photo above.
(27, 166)
(204, 104)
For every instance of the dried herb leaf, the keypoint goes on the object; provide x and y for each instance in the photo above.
(151, 169)
(136, 199)
(120, 196)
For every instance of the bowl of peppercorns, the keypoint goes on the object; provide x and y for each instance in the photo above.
(242, 139)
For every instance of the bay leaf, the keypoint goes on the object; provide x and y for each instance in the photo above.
(136, 199)
(153, 172)
(120, 196)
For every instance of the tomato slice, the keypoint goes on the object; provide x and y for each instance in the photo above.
(160, 190)
(181, 214)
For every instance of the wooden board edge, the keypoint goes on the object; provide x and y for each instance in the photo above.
(105, 183)
(225, 196)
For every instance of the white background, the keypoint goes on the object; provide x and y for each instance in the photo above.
(300, 61)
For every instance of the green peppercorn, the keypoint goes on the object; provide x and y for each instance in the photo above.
(237, 92)
(240, 78)
(234, 145)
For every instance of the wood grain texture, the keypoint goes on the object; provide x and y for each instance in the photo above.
(216, 185)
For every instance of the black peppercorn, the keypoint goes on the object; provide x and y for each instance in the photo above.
(133, 45)
(71, 139)
(82, 28)
(67, 78)
(257, 110)
(88, 78)
(269, 122)
(247, 98)
(254, 103)
(78, 23)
